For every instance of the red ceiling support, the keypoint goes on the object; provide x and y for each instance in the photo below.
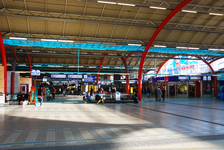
(216, 59)
(163, 65)
(131, 54)
(177, 9)
(127, 76)
(4, 63)
(97, 77)
(13, 69)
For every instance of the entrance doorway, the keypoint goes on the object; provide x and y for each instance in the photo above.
(192, 91)
(171, 90)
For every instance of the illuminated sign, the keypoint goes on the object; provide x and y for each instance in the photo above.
(35, 72)
(58, 76)
(75, 76)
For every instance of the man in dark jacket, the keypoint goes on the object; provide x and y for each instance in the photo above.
(156, 93)
(19, 97)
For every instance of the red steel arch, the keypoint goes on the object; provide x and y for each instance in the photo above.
(4, 63)
(131, 54)
(177, 9)
(97, 77)
(216, 59)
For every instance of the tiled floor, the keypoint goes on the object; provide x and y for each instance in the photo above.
(181, 124)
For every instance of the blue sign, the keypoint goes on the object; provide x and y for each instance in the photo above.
(74, 76)
(58, 76)
(89, 79)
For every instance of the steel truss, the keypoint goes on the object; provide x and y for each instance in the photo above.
(24, 13)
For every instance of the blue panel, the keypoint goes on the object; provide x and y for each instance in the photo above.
(108, 47)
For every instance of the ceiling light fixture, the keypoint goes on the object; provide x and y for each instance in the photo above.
(216, 14)
(106, 67)
(49, 40)
(106, 2)
(213, 49)
(193, 48)
(135, 44)
(17, 38)
(181, 47)
(189, 11)
(70, 41)
(160, 46)
(155, 7)
(126, 4)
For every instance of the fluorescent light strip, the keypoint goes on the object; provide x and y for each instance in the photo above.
(70, 41)
(181, 47)
(126, 4)
(155, 7)
(135, 44)
(216, 14)
(21, 64)
(221, 49)
(37, 65)
(17, 38)
(49, 40)
(189, 11)
(106, 2)
(213, 49)
(106, 67)
(160, 46)
(193, 48)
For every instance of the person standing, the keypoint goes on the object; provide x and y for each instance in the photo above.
(156, 93)
(148, 92)
(91, 91)
(19, 97)
(163, 93)
(159, 94)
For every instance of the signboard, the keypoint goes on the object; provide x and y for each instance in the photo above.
(44, 79)
(35, 72)
(204, 78)
(183, 78)
(89, 79)
(195, 78)
(74, 76)
(209, 78)
(58, 76)
(130, 82)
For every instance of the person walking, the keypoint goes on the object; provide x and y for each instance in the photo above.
(19, 97)
(156, 93)
(159, 94)
(91, 91)
(148, 93)
(163, 93)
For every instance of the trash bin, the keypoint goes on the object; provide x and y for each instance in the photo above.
(2, 98)
(117, 96)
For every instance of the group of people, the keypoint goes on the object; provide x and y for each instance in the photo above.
(22, 97)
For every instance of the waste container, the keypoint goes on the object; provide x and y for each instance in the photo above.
(117, 96)
(2, 98)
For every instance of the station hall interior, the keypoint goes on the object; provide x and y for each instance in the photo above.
(112, 74)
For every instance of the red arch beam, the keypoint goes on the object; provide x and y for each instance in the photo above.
(216, 59)
(4, 63)
(131, 54)
(165, 21)
(97, 77)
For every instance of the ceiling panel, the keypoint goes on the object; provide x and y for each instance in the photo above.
(18, 24)
(4, 24)
(72, 28)
(55, 27)
(37, 26)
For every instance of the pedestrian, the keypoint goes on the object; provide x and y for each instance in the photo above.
(91, 91)
(156, 93)
(159, 94)
(163, 93)
(19, 97)
(135, 97)
(99, 98)
(148, 92)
